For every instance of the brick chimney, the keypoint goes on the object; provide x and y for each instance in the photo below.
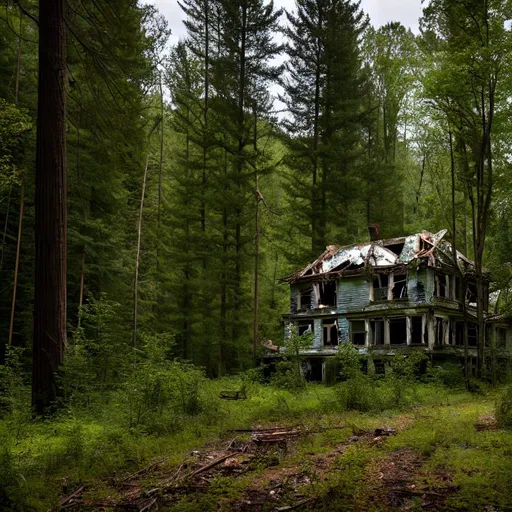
(374, 230)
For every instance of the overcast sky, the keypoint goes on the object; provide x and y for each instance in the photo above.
(380, 11)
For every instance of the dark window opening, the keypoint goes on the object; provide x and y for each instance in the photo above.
(377, 332)
(305, 299)
(396, 248)
(501, 338)
(416, 330)
(472, 335)
(305, 326)
(380, 287)
(400, 287)
(441, 288)
(380, 366)
(308, 272)
(328, 293)
(459, 334)
(420, 287)
(471, 294)
(456, 288)
(315, 371)
(397, 331)
(330, 333)
(358, 330)
(439, 331)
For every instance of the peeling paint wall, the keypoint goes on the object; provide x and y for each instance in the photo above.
(343, 329)
(417, 285)
(352, 294)
(318, 334)
(430, 284)
(293, 299)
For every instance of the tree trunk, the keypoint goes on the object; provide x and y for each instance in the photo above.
(16, 265)
(137, 256)
(49, 335)
(160, 166)
(81, 292)
(256, 306)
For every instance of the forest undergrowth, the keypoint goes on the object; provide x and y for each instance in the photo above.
(150, 442)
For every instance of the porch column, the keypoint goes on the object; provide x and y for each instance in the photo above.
(386, 331)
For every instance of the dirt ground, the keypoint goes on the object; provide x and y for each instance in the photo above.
(279, 468)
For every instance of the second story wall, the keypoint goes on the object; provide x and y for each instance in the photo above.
(417, 285)
(353, 293)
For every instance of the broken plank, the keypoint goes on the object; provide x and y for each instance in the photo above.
(210, 465)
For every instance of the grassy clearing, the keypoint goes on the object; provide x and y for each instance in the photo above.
(98, 446)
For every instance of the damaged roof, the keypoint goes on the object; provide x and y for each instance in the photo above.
(425, 247)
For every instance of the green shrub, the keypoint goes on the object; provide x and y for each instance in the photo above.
(357, 391)
(332, 371)
(358, 394)
(14, 393)
(286, 376)
(449, 374)
(159, 391)
(503, 409)
(10, 483)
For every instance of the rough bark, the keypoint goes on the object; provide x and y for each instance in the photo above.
(49, 335)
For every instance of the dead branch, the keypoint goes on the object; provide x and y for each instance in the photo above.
(269, 429)
(145, 470)
(148, 505)
(74, 494)
(296, 505)
(210, 465)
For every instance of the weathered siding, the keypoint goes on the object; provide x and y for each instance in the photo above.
(353, 294)
(344, 329)
(318, 341)
(293, 299)
(417, 285)
(430, 284)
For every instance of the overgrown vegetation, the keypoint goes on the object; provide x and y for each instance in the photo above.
(113, 424)
(182, 197)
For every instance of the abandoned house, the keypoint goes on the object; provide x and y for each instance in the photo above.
(386, 296)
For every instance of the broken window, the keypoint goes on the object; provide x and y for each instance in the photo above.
(398, 331)
(315, 373)
(416, 330)
(330, 333)
(472, 335)
(471, 293)
(459, 334)
(380, 287)
(358, 332)
(377, 331)
(456, 288)
(305, 299)
(305, 326)
(439, 331)
(442, 286)
(380, 366)
(396, 248)
(400, 286)
(328, 293)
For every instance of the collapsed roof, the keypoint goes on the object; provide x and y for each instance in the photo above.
(425, 248)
